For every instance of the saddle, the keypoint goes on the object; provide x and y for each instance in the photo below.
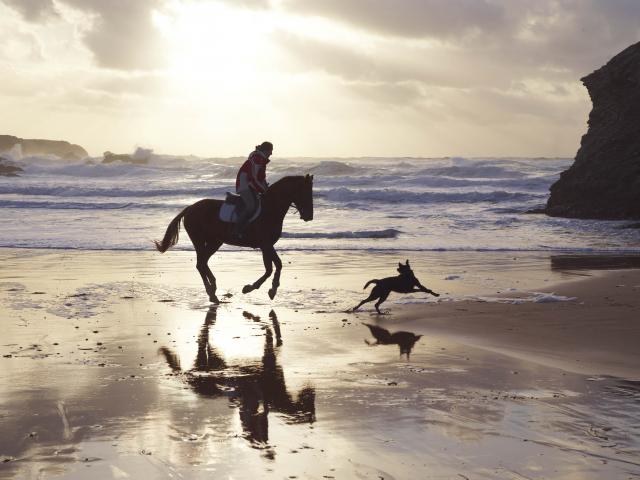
(233, 201)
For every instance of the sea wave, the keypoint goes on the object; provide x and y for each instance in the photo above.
(340, 194)
(186, 246)
(387, 233)
(388, 195)
(471, 171)
(112, 191)
(61, 205)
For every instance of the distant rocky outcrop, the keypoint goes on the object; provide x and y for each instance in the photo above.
(109, 157)
(60, 148)
(604, 180)
(7, 169)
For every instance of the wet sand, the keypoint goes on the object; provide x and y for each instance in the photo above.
(114, 365)
(598, 333)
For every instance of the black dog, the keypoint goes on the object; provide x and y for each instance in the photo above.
(406, 282)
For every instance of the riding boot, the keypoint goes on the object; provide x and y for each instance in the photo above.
(241, 223)
(244, 215)
(239, 228)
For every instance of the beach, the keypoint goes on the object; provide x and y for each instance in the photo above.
(115, 365)
(474, 165)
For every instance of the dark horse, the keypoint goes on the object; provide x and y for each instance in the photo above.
(207, 232)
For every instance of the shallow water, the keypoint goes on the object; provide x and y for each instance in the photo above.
(112, 371)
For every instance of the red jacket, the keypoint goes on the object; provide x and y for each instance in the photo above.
(254, 169)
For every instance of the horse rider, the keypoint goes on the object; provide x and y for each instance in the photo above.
(250, 182)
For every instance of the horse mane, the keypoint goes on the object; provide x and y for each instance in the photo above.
(288, 178)
(284, 181)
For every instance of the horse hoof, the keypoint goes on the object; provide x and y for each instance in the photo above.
(272, 293)
(247, 288)
(214, 299)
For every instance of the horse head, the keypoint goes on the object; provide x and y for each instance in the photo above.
(303, 198)
(297, 191)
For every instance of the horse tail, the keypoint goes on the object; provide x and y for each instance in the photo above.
(172, 233)
(370, 282)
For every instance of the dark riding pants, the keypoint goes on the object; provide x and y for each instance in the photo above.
(250, 203)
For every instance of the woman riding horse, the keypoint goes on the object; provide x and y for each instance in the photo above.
(251, 182)
(207, 232)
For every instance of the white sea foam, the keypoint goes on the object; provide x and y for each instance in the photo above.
(534, 297)
(387, 233)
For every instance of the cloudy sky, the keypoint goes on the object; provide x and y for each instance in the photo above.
(316, 77)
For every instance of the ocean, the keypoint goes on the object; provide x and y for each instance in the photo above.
(377, 204)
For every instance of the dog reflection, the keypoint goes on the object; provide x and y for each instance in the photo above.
(405, 340)
(256, 389)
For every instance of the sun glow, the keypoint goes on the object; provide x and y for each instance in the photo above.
(215, 47)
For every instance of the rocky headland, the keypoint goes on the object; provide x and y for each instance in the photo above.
(604, 180)
(60, 148)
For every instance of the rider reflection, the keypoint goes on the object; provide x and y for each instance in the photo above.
(257, 389)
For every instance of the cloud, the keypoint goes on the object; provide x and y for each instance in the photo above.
(122, 34)
(393, 62)
(476, 65)
(492, 46)
(577, 35)
(33, 10)
(410, 18)
(391, 94)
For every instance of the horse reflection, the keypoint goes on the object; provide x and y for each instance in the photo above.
(256, 389)
(405, 340)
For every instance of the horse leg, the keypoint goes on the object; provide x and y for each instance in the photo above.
(203, 254)
(276, 327)
(267, 260)
(276, 276)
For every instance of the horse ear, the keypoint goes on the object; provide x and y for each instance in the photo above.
(407, 262)
(400, 265)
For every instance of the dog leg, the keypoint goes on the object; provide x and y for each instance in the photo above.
(372, 296)
(422, 288)
(383, 297)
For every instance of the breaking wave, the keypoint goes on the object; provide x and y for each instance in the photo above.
(387, 195)
(387, 233)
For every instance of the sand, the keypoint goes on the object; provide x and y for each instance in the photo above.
(114, 365)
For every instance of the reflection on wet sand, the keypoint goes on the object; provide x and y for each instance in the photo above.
(405, 340)
(256, 388)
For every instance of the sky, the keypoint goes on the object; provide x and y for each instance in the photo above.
(318, 78)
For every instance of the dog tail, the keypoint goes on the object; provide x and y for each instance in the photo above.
(369, 283)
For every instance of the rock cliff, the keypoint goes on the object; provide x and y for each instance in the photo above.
(604, 180)
(59, 148)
